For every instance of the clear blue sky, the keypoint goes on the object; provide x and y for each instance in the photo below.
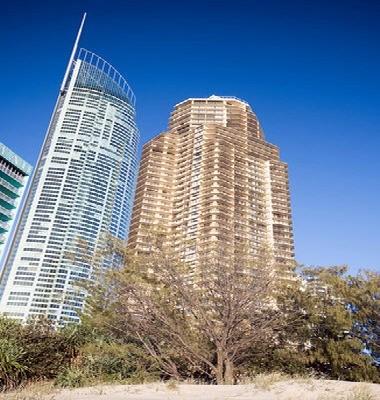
(310, 70)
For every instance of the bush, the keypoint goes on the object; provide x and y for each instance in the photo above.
(34, 351)
(47, 351)
(73, 356)
(102, 361)
(12, 368)
(71, 377)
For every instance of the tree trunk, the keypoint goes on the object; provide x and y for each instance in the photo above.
(224, 369)
(229, 378)
(220, 367)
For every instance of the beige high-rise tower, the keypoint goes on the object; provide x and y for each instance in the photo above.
(212, 178)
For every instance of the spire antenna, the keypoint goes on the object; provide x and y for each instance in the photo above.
(74, 50)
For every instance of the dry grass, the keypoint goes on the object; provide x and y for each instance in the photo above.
(266, 381)
(171, 385)
(361, 392)
(32, 391)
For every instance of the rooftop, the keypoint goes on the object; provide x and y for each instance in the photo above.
(102, 75)
(213, 98)
(15, 160)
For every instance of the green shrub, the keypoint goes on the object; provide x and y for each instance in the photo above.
(101, 361)
(115, 360)
(47, 351)
(72, 377)
(73, 356)
(34, 351)
(12, 368)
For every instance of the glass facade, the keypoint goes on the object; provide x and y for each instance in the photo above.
(82, 190)
(14, 173)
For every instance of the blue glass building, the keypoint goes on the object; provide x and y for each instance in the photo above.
(14, 174)
(82, 189)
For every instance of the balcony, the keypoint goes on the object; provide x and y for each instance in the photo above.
(5, 215)
(8, 189)
(10, 176)
(7, 202)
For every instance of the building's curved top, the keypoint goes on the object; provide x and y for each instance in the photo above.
(217, 97)
(97, 73)
(214, 97)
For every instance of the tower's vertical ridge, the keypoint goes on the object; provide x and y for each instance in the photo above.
(73, 52)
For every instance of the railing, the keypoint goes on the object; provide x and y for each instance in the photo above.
(8, 186)
(9, 172)
(7, 199)
(119, 84)
(4, 225)
(6, 212)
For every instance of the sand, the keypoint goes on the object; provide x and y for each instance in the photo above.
(307, 389)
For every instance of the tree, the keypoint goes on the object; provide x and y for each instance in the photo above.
(364, 300)
(198, 320)
(337, 334)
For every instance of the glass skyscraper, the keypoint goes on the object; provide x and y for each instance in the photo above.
(82, 189)
(14, 174)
